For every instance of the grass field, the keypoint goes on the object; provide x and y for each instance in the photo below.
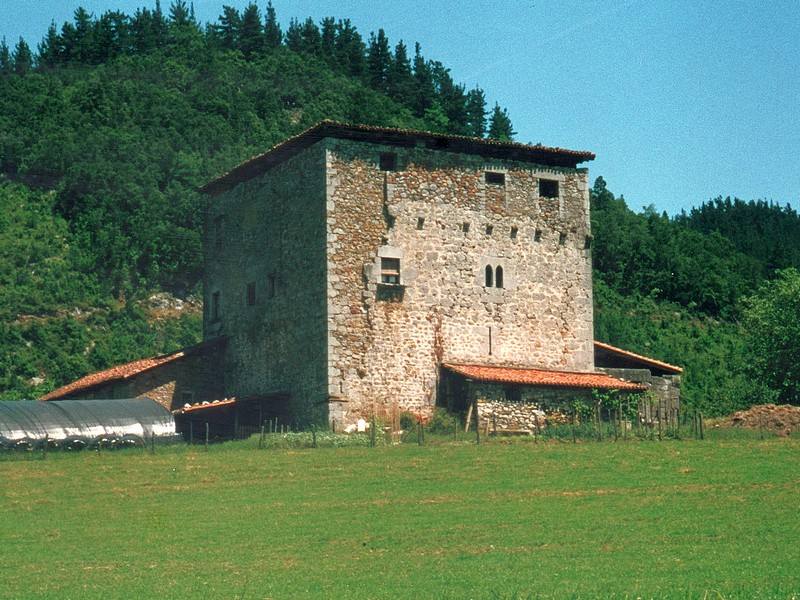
(677, 519)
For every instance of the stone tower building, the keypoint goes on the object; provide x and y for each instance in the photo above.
(361, 270)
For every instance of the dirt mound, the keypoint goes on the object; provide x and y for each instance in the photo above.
(783, 419)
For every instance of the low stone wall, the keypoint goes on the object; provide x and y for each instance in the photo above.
(523, 408)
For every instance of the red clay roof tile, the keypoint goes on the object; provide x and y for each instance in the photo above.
(526, 376)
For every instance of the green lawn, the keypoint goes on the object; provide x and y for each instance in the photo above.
(677, 519)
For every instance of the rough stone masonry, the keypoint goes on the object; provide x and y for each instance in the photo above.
(346, 265)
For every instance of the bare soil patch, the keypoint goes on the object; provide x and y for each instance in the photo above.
(782, 419)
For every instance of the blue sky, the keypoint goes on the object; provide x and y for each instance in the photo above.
(682, 101)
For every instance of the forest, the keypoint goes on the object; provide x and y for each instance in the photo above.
(111, 123)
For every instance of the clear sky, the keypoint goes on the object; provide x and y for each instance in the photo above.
(682, 101)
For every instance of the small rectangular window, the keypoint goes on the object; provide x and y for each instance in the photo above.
(513, 393)
(218, 233)
(420, 222)
(489, 229)
(537, 235)
(390, 270)
(495, 178)
(548, 188)
(587, 242)
(388, 161)
(562, 239)
(215, 306)
(514, 232)
(465, 228)
(251, 294)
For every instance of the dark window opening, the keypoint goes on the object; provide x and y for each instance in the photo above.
(587, 242)
(390, 270)
(514, 231)
(465, 228)
(498, 277)
(495, 178)
(215, 306)
(420, 222)
(562, 239)
(489, 276)
(513, 393)
(548, 188)
(387, 161)
(251, 294)
(489, 229)
(537, 235)
(218, 233)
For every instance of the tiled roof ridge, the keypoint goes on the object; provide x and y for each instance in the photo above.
(646, 359)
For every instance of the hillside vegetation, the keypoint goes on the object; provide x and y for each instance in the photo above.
(109, 126)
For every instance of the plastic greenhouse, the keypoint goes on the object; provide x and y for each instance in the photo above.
(77, 424)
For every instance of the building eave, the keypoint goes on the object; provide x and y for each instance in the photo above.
(543, 155)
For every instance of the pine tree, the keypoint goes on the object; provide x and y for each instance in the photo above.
(6, 66)
(424, 90)
(294, 36)
(51, 48)
(273, 36)
(252, 36)
(22, 58)
(401, 79)
(350, 49)
(328, 32)
(379, 61)
(476, 112)
(228, 30)
(500, 127)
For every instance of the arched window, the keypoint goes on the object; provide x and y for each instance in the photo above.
(489, 276)
(498, 277)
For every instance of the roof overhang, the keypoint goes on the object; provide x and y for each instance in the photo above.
(409, 138)
(631, 360)
(541, 377)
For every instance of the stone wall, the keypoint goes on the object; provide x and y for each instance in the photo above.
(446, 224)
(268, 233)
(542, 405)
(663, 401)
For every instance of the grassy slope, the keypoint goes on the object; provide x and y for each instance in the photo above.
(679, 519)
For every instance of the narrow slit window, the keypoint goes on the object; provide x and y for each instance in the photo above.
(562, 239)
(420, 223)
(215, 306)
(218, 233)
(387, 161)
(537, 235)
(489, 276)
(514, 232)
(390, 270)
(548, 188)
(587, 242)
(251, 294)
(495, 178)
(489, 229)
(498, 277)
(465, 228)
